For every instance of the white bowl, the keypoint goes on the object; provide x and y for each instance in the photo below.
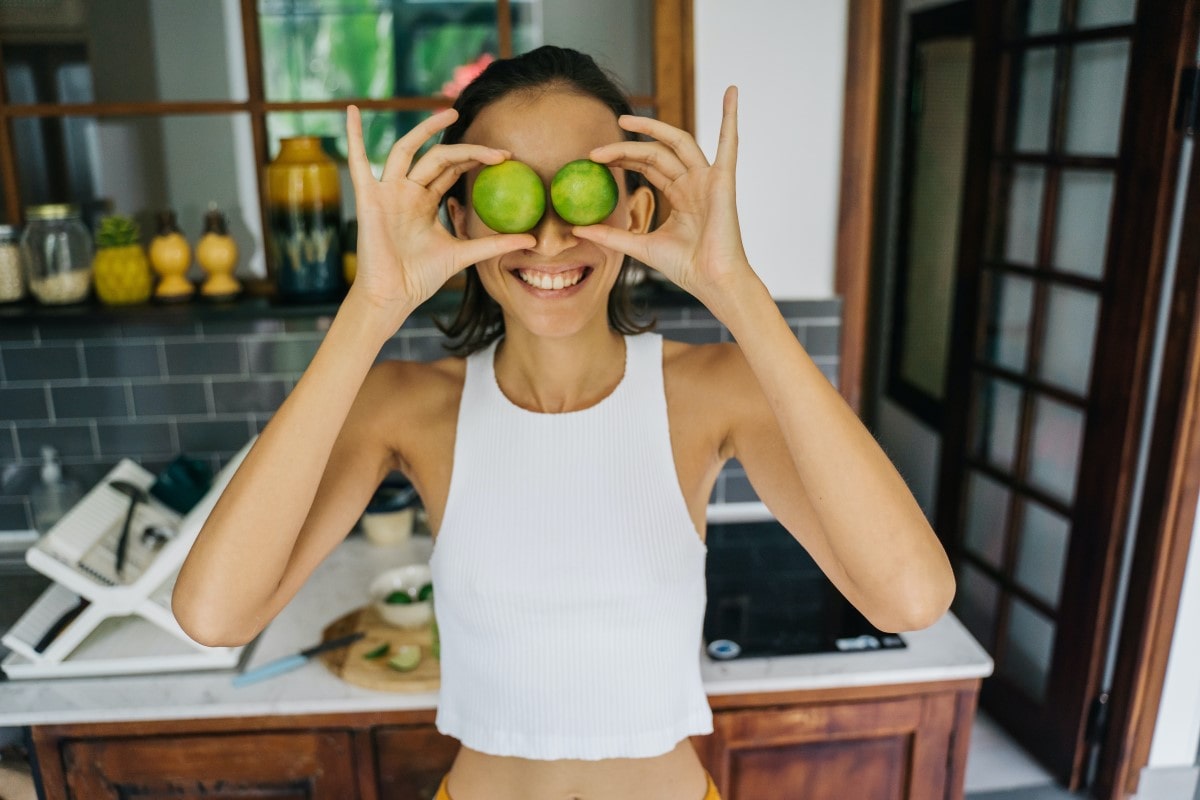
(409, 578)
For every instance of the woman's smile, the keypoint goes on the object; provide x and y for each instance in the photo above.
(558, 282)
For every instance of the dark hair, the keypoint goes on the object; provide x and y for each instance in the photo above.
(478, 321)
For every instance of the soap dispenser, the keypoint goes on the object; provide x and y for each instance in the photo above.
(54, 496)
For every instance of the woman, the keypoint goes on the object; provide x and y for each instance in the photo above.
(566, 461)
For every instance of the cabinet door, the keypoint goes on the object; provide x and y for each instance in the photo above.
(877, 750)
(411, 762)
(283, 766)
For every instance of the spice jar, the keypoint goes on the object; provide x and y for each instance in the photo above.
(12, 272)
(58, 254)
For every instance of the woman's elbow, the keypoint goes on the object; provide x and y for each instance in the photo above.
(205, 627)
(920, 605)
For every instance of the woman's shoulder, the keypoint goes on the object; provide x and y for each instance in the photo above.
(702, 364)
(418, 387)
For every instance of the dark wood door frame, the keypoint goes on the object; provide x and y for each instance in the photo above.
(1165, 524)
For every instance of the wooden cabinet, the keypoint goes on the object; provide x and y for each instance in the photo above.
(869, 743)
(312, 765)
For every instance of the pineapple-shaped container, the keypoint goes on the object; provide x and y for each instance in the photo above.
(120, 270)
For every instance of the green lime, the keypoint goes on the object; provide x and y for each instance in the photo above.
(407, 657)
(398, 597)
(426, 592)
(509, 197)
(584, 192)
(377, 652)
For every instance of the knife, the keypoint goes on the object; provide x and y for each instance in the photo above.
(289, 663)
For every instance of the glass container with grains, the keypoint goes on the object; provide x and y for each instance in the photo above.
(58, 254)
(12, 271)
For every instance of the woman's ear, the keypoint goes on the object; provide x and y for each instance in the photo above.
(458, 217)
(641, 209)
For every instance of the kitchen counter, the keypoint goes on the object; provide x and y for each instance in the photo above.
(943, 652)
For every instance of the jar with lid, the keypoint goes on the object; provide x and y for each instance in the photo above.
(58, 254)
(12, 271)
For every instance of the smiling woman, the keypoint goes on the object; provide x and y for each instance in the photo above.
(565, 455)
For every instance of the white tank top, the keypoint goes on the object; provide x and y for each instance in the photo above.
(568, 575)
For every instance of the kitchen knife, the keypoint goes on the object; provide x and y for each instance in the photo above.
(289, 663)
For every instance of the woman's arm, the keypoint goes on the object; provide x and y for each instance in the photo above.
(865, 528)
(313, 468)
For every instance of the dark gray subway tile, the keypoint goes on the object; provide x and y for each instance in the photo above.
(223, 327)
(260, 421)
(134, 439)
(112, 360)
(300, 324)
(427, 348)
(72, 439)
(27, 403)
(16, 480)
(14, 514)
(231, 397)
(276, 356)
(87, 402)
(183, 329)
(169, 399)
(822, 340)
(203, 358)
(17, 331)
(43, 363)
(62, 329)
(204, 436)
(738, 489)
(8, 441)
(393, 349)
(692, 334)
(799, 310)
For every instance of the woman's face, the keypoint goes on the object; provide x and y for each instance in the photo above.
(546, 130)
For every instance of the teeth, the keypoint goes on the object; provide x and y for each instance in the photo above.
(544, 280)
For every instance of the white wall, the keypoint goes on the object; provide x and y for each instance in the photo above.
(788, 61)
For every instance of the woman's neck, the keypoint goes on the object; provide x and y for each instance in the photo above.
(552, 375)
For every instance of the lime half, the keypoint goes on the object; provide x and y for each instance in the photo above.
(407, 657)
(584, 192)
(509, 197)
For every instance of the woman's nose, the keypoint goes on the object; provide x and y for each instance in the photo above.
(553, 234)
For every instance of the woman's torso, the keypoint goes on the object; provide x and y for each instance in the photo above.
(428, 415)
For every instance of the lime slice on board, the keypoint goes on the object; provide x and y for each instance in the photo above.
(407, 657)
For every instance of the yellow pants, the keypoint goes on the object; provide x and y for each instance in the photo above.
(711, 794)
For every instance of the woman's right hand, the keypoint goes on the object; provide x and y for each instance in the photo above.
(405, 254)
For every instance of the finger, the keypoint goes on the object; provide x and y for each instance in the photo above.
(649, 154)
(360, 167)
(442, 183)
(623, 241)
(400, 158)
(728, 141)
(657, 178)
(679, 141)
(440, 157)
(474, 251)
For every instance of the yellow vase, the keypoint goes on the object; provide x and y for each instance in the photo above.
(304, 212)
(171, 255)
(217, 253)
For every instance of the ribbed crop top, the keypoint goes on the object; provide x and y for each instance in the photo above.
(568, 575)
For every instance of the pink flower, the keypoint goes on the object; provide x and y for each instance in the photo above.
(466, 73)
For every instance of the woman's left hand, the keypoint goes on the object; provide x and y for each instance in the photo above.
(699, 246)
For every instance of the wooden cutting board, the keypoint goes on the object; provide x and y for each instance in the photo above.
(349, 665)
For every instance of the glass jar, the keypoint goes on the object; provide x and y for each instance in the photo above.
(12, 271)
(58, 254)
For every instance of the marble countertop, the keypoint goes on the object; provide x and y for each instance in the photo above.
(944, 651)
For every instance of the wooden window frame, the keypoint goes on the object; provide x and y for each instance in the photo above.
(671, 100)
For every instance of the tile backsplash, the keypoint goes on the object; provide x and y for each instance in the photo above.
(150, 389)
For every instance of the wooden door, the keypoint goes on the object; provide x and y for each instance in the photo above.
(1072, 150)
(299, 766)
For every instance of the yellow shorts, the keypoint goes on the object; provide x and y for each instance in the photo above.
(710, 794)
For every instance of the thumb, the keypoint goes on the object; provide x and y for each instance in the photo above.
(623, 241)
(473, 251)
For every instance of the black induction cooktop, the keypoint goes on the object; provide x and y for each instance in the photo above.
(766, 596)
